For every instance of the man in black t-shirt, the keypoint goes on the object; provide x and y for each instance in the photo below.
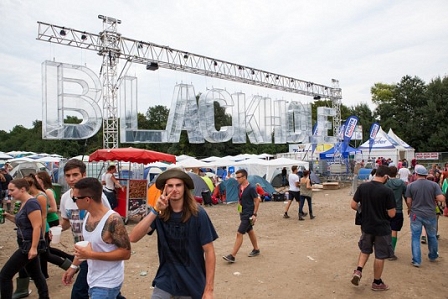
(377, 207)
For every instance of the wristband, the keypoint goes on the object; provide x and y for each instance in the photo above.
(255, 214)
(152, 210)
(74, 267)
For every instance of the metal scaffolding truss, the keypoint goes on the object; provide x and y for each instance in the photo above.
(110, 40)
(155, 56)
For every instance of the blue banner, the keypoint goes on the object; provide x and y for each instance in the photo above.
(349, 130)
(372, 135)
(314, 145)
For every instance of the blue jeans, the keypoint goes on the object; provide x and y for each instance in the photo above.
(104, 293)
(302, 203)
(430, 225)
(80, 288)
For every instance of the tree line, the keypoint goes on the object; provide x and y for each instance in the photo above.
(414, 110)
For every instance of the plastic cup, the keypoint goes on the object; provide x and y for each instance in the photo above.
(82, 244)
(56, 234)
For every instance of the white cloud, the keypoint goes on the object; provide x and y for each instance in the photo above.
(357, 42)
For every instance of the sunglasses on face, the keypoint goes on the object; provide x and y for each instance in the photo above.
(75, 198)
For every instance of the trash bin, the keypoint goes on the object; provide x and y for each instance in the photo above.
(57, 190)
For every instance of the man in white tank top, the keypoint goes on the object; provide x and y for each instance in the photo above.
(108, 246)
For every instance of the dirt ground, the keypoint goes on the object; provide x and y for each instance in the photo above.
(299, 259)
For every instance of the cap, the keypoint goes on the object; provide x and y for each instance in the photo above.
(421, 170)
(174, 173)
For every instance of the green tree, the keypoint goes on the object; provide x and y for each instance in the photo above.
(434, 113)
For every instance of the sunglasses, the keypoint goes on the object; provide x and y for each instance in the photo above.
(75, 198)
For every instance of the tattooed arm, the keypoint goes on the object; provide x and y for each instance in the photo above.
(114, 232)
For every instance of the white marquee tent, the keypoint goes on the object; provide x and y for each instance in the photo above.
(254, 166)
(387, 146)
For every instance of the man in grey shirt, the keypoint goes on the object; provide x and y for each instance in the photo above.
(421, 196)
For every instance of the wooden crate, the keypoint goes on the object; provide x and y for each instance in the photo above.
(330, 186)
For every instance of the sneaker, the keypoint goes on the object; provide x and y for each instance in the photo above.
(285, 216)
(433, 260)
(301, 218)
(423, 240)
(379, 287)
(254, 253)
(303, 214)
(415, 264)
(356, 277)
(229, 258)
(393, 258)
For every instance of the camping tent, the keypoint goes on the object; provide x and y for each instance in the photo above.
(329, 154)
(267, 187)
(277, 179)
(199, 184)
(24, 169)
(387, 147)
(230, 187)
(277, 164)
(209, 182)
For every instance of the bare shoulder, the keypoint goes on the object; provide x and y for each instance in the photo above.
(113, 222)
(116, 229)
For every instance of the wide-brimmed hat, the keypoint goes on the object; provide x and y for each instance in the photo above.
(421, 170)
(174, 173)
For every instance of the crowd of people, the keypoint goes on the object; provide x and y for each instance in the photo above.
(185, 233)
(185, 236)
(379, 211)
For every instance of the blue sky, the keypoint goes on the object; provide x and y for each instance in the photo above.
(358, 43)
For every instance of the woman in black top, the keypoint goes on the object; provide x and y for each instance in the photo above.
(29, 223)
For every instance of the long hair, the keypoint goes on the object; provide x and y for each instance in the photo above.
(2, 178)
(32, 181)
(46, 179)
(189, 208)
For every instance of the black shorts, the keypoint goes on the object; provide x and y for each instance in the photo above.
(382, 244)
(245, 226)
(294, 194)
(396, 223)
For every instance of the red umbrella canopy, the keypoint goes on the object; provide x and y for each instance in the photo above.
(130, 154)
